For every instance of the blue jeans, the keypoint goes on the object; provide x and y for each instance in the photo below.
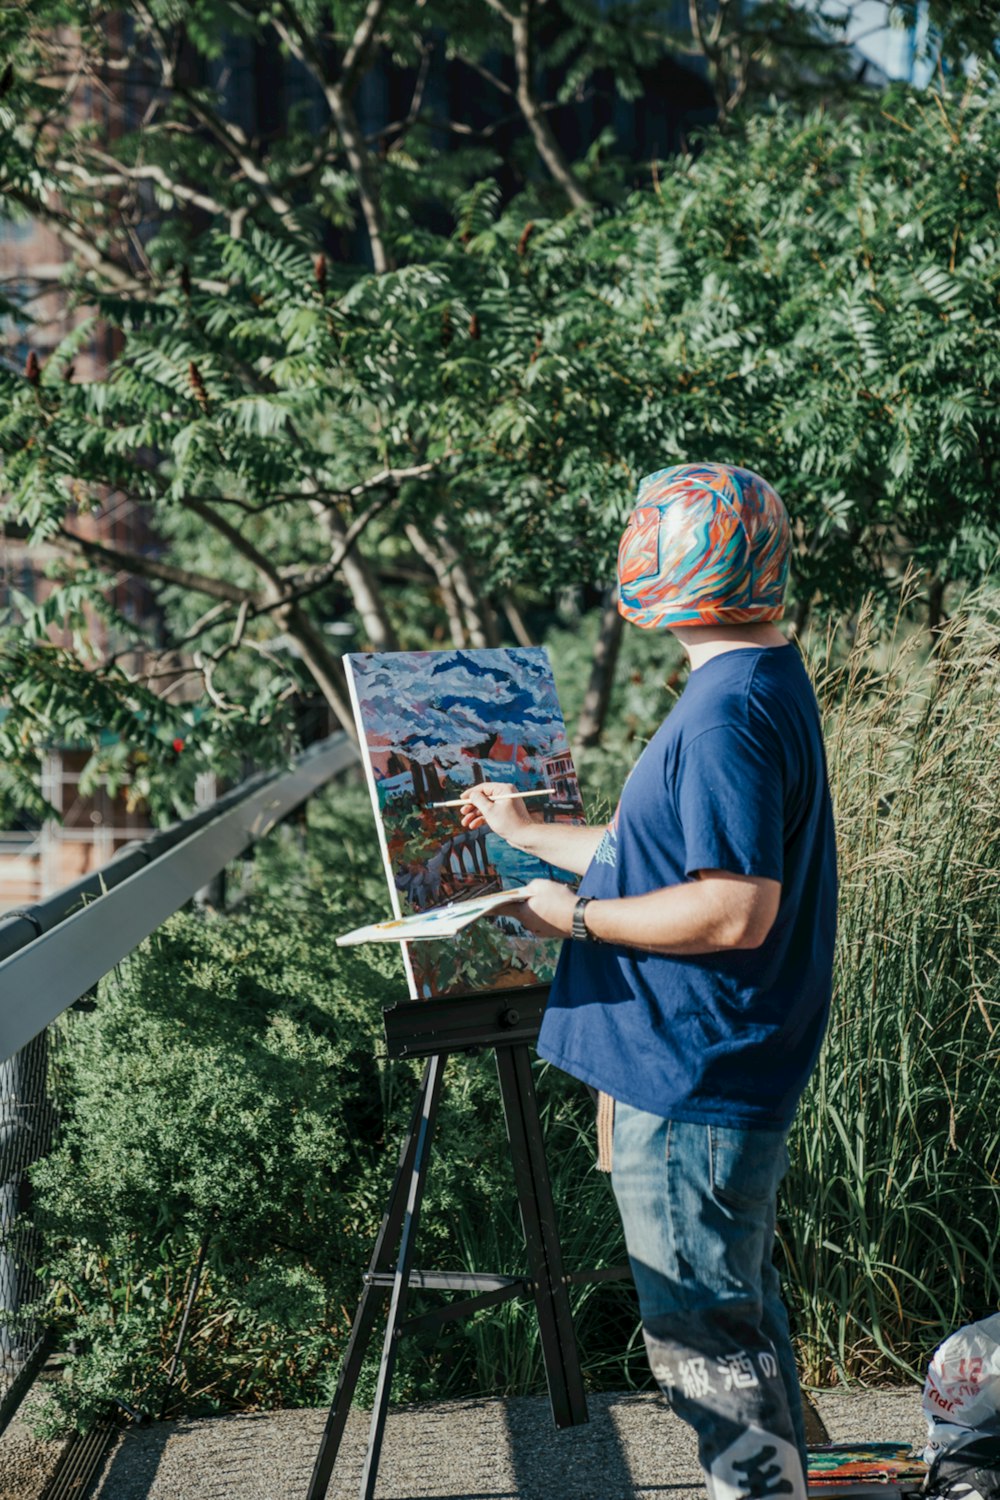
(697, 1203)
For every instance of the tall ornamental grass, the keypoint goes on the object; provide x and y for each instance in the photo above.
(890, 1223)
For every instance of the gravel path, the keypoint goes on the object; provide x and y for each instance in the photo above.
(461, 1450)
(26, 1463)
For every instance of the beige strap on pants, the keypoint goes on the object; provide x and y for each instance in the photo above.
(605, 1131)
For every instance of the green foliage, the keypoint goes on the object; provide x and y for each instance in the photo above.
(227, 1097)
(812, 294)
(225, 1092)
(818, 296)
(813, 297)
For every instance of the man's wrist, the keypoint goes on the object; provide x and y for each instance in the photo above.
(579, 928)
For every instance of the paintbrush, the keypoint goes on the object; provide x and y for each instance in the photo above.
(497, 797)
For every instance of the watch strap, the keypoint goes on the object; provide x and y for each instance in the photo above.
(579, 929)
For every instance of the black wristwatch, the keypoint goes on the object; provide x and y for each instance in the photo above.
(580, 929)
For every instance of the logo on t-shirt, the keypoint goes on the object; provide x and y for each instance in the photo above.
(606, 852)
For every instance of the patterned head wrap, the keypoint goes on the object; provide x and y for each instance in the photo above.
(705, 544)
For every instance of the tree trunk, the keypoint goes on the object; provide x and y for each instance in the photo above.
(800, 617)
(359, 161)
(361, 581)
(515, 620)
(936, 617)
(480, 621)
(602, 673)
(535, 118)
(430, 555)
(325, 667)
(339, 93)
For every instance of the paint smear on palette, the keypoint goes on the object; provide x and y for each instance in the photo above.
(431, 724)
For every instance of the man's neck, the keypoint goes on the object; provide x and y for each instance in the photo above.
(702, 642)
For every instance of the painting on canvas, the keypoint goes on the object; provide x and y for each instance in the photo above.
(431, 724)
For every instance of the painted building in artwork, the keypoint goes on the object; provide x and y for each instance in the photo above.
(404, 777)
(459, 869)
(560, 774)
(469, 870)
(427, 783)
(494, 770)
(506, 760)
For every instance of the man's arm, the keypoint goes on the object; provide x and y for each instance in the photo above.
(569, 846)
(714, 913)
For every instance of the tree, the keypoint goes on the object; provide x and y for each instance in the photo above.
(266, 532)
(472, 411)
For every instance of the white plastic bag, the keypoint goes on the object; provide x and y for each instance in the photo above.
(962, 1391)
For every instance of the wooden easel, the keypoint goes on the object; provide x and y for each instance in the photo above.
(506, 1021)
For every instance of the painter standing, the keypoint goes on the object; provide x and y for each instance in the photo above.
(695, 988)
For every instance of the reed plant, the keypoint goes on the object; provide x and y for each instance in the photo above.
(891, 1213)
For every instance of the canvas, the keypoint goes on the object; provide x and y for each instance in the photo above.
(432, 723)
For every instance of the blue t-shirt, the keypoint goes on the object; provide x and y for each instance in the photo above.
(734, 779)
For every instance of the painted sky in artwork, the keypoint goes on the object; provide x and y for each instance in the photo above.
(432, 722)
(451, 707)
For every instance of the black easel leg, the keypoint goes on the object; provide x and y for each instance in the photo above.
(541, 1237)
(401, 1280)
(372, 1296)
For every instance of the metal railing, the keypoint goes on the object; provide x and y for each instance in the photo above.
(54, 953)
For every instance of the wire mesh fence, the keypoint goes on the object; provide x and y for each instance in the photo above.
(27, 1124)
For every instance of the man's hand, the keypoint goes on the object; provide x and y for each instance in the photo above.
(547, 911)
(565, 846)
(490, 802)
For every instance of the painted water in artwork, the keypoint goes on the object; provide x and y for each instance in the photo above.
(433, 723)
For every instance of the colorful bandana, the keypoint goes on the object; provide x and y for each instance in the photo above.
(705, 544)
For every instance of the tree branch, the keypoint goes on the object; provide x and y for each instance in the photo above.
(714, 47)
(430, 555)
(312, 579)
(116, 560)
(338, 94)
(325, 666)
(477, 67)
(236, 146)
(278, 599)
(360, 45)
(273, 588)
(386, 477)
(542, 133)
(151, 173)
(399, 128)
(74, 238)
(502, 11)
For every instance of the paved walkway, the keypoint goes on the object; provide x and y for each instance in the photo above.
(632, 1449)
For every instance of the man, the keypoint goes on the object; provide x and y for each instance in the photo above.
(695, 988)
